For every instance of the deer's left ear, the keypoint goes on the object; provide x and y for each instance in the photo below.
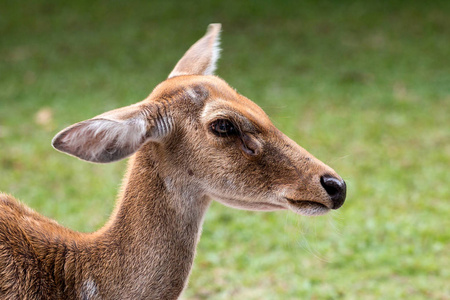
(201, 58)
(113, 135)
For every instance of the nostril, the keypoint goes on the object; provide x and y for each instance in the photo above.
(335, 188)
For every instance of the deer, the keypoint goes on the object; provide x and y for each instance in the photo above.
(193, 140)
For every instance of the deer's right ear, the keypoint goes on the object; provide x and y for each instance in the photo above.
(113, 135)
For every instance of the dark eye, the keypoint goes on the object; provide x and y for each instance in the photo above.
(223, 128)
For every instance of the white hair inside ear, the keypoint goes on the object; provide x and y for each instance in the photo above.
(113, 135)
(215, 55)
(102, 140)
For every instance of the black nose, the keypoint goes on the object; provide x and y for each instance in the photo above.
(335, 188)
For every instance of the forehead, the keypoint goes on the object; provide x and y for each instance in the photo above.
(219, 99)
(239, 108)
(225, 100)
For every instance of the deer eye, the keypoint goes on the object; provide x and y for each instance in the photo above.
(223, 128)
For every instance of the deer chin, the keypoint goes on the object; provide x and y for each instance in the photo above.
(307, 208)
(248, 205)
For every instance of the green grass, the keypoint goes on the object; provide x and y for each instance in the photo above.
(364, 86)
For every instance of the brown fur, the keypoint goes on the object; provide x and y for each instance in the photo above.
(146, 249)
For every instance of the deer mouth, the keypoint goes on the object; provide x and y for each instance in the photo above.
(248, 205)
(307, 208)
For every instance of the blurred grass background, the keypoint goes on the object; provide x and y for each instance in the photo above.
(364, 86)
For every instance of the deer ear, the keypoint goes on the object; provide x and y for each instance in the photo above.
(201, 58)
(113, 135)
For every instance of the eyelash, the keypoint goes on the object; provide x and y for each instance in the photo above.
(223, 128)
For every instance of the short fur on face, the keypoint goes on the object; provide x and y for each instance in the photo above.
(257, 169)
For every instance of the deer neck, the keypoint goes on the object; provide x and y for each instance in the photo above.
(155, 228)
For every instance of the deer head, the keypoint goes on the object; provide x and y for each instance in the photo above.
(203, 133)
